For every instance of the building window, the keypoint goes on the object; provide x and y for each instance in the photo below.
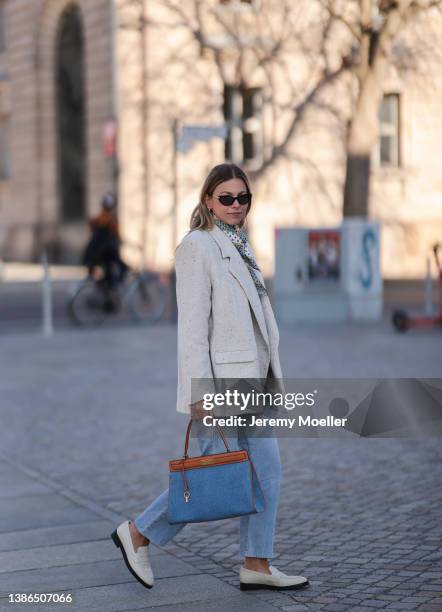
(388, 153)
(71, 116)
(2, 27)
(239, 5)
(4, 149)
(243, 116)
(232, 2)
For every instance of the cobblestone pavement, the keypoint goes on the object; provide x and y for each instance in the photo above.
(94, 413)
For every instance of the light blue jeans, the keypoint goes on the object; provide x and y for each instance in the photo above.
(256, 530)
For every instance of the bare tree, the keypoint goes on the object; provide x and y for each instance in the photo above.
(284, 47)
(310, 47)
(374, 26)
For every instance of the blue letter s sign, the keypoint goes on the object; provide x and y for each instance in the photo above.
(368, 244)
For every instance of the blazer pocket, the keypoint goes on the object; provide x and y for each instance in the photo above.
(234, 356)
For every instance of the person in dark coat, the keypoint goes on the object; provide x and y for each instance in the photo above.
(103, 248)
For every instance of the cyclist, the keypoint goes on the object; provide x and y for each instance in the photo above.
(103, 248)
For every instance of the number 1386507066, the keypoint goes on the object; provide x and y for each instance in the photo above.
(58, 598)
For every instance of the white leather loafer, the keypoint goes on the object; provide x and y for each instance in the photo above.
(277, 581)
(137, 561)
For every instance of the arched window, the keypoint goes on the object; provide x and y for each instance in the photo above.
(71, 116)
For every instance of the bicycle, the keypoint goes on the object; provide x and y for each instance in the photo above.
(142, 293)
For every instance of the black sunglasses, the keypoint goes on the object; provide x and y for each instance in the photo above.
(227, 200)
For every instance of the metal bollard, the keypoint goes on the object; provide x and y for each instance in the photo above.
(428, 306)
(47, 311)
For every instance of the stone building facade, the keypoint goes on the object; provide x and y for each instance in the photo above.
(67, 67)
(51, 47)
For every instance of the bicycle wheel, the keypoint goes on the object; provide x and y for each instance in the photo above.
(147, 298)
(88, 304)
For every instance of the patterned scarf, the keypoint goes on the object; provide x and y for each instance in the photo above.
(239, 239)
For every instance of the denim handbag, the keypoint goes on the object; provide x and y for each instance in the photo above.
(212, 487)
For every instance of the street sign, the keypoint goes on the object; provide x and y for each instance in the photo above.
(190, 134)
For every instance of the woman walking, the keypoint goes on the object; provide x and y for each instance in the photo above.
(226, 329)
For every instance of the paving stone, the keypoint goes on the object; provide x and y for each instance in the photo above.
(364, 608)
(415, 599)
(428, 587)
(52, 556)
(401, 605)
(14, 484)
(390, 597)
(197, 589)
(50, 518)
(33, 503)
(66, 534)
(65, 554)
(68, 577)
(341, 607)
(238, 603)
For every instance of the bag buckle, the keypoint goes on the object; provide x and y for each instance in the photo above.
(186, 495)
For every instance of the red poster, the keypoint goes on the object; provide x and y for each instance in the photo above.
(324, 247)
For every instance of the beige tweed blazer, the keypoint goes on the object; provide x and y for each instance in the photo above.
(215, 295)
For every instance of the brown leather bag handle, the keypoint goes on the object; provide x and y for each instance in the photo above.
(186, 444)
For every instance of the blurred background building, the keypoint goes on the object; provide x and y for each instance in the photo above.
(56, 93)
(90, 91)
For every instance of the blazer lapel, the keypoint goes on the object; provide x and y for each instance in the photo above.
(239, 270)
